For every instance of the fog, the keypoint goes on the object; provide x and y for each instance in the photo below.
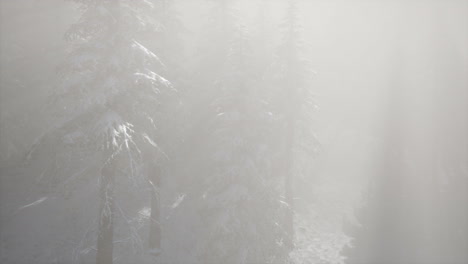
(234, 131)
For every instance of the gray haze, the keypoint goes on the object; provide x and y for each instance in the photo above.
(234, 131)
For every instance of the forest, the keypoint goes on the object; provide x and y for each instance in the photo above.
(233, 131)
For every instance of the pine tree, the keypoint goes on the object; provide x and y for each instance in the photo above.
(104, 105)
(238, 202)
(294, 102)
(238, 184)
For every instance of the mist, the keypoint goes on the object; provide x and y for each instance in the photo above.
(234, 131)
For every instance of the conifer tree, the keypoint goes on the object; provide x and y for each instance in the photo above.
(241, 202)
(294, 103)
(104, 105)
(236, 167)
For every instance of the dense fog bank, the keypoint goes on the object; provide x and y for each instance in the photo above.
(233, 131)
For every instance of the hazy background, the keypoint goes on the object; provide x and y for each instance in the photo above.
(391, 84)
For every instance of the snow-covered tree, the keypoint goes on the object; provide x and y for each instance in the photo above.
(240, 202)
(105, 105)
(294, 102)
(237, 201)
(313, 223)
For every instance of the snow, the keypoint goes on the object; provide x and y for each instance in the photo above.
(178, 201)
(31, 204)
(137, 46)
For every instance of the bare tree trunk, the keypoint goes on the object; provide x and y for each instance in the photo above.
(105, 243)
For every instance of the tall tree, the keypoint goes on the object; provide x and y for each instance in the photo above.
(237, 201)
(241, 201)
(104, 105)
(295, 104)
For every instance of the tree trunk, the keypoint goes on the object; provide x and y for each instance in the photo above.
(288, 183)
(291, 84)
(105, 244)
(155, 219)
